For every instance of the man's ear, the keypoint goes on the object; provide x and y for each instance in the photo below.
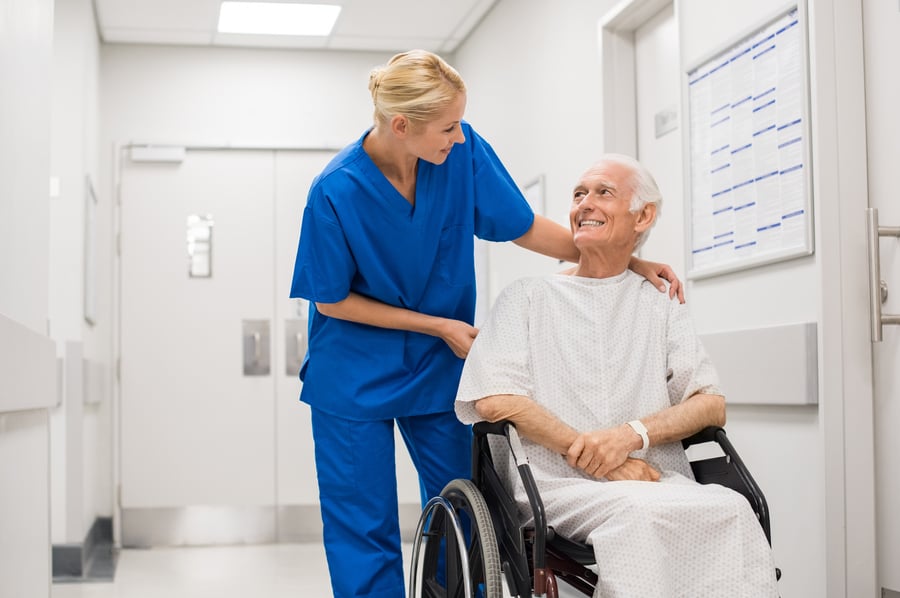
(400, 125)
(646, 217)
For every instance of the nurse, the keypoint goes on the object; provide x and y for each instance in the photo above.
(386, 259)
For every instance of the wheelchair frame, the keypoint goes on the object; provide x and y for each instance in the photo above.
(474, 527)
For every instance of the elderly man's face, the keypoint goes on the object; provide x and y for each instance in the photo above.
(599, 212)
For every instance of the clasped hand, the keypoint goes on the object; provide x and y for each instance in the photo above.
(604, 454)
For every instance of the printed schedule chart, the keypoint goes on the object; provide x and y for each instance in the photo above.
(749, 192)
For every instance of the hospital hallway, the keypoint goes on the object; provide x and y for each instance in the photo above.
(155, 171)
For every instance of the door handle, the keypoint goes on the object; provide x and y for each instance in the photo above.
(257, 338)
(256, 347)
(877, 287)
(294, 346)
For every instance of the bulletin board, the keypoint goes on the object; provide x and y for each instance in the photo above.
(748, 180)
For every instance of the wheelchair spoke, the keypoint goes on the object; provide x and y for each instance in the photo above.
(447, 567)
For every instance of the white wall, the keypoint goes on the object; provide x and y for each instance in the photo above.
(81, 431)
(25, 61)
(238, 97)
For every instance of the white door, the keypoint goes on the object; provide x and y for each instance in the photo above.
(657, 93)
(195, 430)
(882, 47)
(211, 453)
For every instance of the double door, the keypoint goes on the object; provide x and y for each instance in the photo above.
(214, 445)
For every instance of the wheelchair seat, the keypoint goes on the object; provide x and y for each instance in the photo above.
(489, 552)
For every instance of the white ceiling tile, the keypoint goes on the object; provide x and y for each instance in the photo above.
(376, 25)
(113, 35)
(399, 18)
(158, 14)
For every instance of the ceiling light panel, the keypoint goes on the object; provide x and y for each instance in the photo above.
(277, 18)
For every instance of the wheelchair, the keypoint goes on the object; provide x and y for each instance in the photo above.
(471, 543)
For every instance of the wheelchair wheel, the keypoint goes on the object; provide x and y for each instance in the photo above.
(455, 552)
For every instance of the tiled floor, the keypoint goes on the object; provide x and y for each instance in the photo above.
(267, 571)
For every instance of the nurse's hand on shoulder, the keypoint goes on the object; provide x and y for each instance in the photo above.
(459, 336)
(655, 272)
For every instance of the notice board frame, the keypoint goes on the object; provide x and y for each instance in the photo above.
(748, 173)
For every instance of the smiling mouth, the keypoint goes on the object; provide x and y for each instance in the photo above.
(584, 223)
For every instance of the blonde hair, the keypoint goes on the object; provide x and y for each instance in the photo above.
(416, 84)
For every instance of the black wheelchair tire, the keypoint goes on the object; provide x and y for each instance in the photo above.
(485, 569)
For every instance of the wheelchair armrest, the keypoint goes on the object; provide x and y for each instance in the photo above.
(707, 434)
(729, 471)
(499, 428)
(507, 429)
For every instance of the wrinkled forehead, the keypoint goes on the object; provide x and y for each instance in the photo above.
(607, 173)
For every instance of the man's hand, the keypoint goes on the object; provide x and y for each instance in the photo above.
(634, 469)
(599, 452)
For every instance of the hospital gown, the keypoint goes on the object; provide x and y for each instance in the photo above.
(596, 353)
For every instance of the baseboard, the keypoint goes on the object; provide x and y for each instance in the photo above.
(93, 560)
(223, 525)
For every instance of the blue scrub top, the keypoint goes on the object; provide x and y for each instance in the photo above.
(360, 234)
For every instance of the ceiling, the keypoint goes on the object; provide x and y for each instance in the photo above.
(374, 25)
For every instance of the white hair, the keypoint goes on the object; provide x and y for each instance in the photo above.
(644, 189)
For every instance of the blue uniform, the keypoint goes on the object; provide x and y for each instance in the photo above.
(360, 234)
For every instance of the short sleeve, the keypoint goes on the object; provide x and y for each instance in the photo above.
(692, 370)
(324, 267)
(499, 360)
(501, 211)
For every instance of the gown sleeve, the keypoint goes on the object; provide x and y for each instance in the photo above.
(692, 370)
(499, 361)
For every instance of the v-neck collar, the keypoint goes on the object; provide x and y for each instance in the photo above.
(393, 199)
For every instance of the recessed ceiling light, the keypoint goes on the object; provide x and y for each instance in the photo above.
(277, 18)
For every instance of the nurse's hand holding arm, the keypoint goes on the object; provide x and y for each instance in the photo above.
(358, 308)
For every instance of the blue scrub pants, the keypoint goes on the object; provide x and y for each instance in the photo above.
(357, 477)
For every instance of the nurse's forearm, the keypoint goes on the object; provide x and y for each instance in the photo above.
(357, 308)
(549, 238)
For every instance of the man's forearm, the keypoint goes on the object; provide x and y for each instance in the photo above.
(687, 418)
(532, 420)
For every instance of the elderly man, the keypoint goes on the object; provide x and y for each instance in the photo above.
(603, 376)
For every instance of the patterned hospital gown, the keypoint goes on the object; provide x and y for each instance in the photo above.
(596, 353)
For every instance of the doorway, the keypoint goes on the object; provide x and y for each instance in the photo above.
(881, 21)
(215, 447)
